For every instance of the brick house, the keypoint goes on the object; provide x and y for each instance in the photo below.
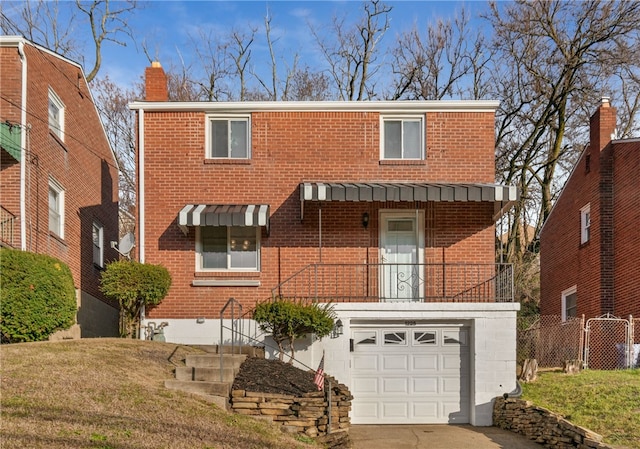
(59, 178)
(588, 245)
(385, 208)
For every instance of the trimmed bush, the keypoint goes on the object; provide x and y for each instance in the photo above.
(288, 320)
(134, 285)
(37, 296)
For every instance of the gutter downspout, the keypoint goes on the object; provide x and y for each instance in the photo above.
(141, 215)
(23, 147)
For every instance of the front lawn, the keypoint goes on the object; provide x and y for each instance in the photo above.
(606, 402)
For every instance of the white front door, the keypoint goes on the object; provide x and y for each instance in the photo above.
(401, 243)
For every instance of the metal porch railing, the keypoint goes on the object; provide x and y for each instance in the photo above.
(396, 282)
(7, 224)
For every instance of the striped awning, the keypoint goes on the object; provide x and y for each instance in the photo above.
(224, 215)
(503, 196)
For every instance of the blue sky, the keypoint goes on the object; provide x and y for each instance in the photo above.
(165, 27)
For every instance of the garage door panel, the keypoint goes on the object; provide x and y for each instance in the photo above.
(451, 385)
(365, 385)
(366, 410)
(454, 413)
(426, 362)
(452, 362)
(395, 385)
(425, 384)
(395, 362)
(365, 362)
(426, 411)
(395, 410)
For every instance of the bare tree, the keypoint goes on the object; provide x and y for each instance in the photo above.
(53, 24)
(449, 61)
(274, 87)
(352, 51)
(41, 21)
(555, 59)
(107, 25)
(240, 53)
(307, 85)
(119, 123)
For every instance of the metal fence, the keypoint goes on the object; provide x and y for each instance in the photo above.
(388, 282)
(605, 342)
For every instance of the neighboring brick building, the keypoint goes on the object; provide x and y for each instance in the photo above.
(59, 179)
(589, 244)
(385, 208)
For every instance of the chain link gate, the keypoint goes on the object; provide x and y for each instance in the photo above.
(609, 344)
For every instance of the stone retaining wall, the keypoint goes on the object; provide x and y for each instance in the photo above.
(543, 426)
(306, 415)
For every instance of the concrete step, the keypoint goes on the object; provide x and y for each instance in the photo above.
(201, 388)
(213, 360)
(206, 374)
(251, 351)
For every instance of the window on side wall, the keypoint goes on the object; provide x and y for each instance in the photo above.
(98, 244)
(585, 224)
(56, 115)
(402, 138)
(228, 137)
(227, 248)
(56, 208)
(569, 303)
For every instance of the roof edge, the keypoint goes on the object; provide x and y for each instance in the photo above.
(342, 106)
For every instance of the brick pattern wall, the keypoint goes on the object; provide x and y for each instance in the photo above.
(626, 208)
(288, 148)
(604, 269)
(82, 163)
(564, 261)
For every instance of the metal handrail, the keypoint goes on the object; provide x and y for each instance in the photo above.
(392, 282)
(233, 303)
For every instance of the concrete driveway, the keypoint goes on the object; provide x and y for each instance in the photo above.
(436, 436)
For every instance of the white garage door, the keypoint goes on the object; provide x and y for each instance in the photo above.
(410, 375)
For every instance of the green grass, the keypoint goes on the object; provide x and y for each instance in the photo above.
(606, 402)
(109, 394)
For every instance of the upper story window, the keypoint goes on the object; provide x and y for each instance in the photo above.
(569, 303)
(402, 137)
(585, 224)
(98, 244)
(232, 248)
(56, 208)
(228, 137)
(56, 115)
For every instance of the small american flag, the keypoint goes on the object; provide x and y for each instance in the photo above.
(319, 377)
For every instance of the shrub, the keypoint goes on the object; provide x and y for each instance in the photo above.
(133, 285)
(38, 296)
(288, 320)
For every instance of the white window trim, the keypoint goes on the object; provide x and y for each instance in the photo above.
(585, 230)
(423, 139)
(100, 228)
(58, 129)
(207, 135)
(199, 267)
(55, 185)
(565, 293)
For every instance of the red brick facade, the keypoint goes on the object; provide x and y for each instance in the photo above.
(604, 269)
(305, 143)
(81, 162)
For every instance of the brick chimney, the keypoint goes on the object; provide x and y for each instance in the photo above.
(155, 83)
(602, 126)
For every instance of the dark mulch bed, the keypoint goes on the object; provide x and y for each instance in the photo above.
(273, 376)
